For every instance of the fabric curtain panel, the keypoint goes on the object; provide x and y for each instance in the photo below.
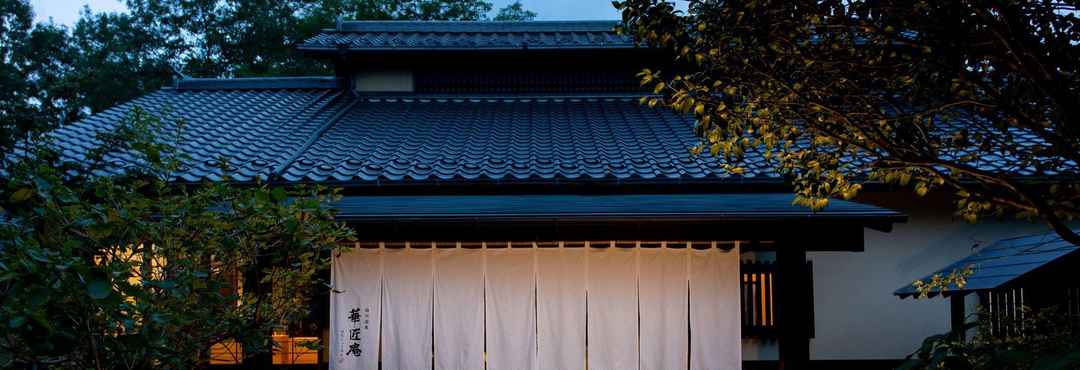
(612, 308)
(355, 309)
(459, 309)
(715, 326)
(607, 305)
(511, 308)
(663, 278)
(407, 308)
(561, 308)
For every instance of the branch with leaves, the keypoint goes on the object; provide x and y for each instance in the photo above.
(978, 98)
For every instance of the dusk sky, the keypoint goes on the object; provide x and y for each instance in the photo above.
(67, 11)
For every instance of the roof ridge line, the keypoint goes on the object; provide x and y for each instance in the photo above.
(258, 83)
(314, 137)
(476, 26)
(510, 96)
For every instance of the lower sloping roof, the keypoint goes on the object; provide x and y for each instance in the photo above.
(1003, 262)
(715, 207)
(729, 216)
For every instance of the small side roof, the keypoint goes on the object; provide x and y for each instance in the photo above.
(374, 36)
(1003, 262)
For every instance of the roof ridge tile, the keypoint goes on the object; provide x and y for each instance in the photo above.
(259, 83)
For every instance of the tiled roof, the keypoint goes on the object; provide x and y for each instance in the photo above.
(310, 130)
(325, 135)
(255, 129)
(505, 139)
(484, 35)
(1003, 262)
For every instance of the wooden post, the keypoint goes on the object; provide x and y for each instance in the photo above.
(253, 284)
(957, 314)
(792, 307)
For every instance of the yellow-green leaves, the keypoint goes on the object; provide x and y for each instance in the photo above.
(835, 99)
(659, 88)
(939, 283)
(921, 188)
(21, 195)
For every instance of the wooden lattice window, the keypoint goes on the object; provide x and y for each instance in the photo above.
(758, 300)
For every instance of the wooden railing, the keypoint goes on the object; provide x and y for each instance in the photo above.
(1006, 309)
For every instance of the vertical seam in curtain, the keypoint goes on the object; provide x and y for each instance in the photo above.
(637, 288)
(431, 262)
(382, 305)
(587, 245)
(536, 305)
(689, 303)
(483, 258)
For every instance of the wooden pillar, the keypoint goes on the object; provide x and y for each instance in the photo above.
(253, 285)
(957, 315)
(792, 307)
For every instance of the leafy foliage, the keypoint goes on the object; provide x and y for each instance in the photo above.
(52, 74)
(1049, 341)
(515, 12)
(939, 283)
(920, 94)
(33, 62)
(131, 271)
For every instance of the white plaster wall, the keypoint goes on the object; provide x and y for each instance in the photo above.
(383, 80)
(856, 314)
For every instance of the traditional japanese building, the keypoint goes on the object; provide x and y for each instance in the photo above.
(519, 209)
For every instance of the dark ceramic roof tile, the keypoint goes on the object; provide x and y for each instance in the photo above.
(240, 125)
(427, 35)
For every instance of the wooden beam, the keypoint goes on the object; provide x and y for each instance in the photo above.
(839, 237)
(792, 306)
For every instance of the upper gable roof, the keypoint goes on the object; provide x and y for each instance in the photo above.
(362, 36)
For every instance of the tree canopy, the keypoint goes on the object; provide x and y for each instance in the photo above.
(515, 12)
(53, 74)
(979, 97)
(33, 63)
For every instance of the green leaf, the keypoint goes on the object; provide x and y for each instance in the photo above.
(98, 289)
(165, 284)
(21, 195)
(278, 194)
(16, 322)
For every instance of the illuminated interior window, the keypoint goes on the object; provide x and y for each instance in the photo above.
(226, 353)
(295, 350)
